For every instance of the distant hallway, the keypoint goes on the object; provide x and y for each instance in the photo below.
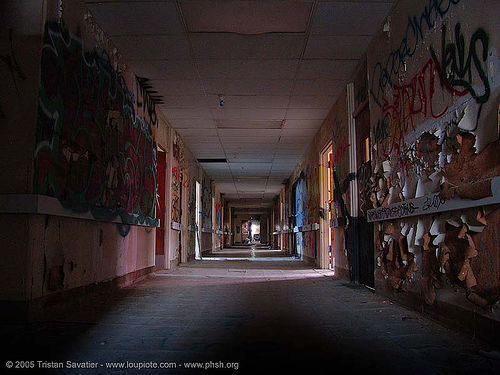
(249, 252)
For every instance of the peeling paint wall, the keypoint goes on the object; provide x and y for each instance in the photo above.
(101, 254)
(434, 93)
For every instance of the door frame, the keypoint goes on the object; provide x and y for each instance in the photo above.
(160, 259)
(326, 239)
(184, 216)
(197, 238)
(213, 223)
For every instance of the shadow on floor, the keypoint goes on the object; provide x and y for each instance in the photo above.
(309, 325)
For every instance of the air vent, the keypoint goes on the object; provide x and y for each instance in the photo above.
(212, 160)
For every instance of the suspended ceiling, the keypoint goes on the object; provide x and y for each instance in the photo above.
(279, 65)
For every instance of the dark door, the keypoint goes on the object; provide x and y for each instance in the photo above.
(365, 229)
(160, 209)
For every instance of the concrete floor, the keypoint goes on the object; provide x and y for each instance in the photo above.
(266, 316)
(255, 252)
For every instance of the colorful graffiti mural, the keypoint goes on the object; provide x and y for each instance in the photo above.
(176, 192)
(93, 152)
(300, 212)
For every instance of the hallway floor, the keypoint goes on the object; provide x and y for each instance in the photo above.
(265, 316)
(249, 252)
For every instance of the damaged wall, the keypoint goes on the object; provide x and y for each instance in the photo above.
(434, 93)
(88, 142)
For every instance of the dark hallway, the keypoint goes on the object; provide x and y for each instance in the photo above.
(255, 316)
(250, 186)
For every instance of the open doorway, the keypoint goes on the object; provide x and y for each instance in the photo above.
(197, 240)
(327, 258)
(160, 209)
(255, 230)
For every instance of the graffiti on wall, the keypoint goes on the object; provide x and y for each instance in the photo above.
(177, 178)
(456, 71)
(147, 100)
(312, 201)
(383, 72)
(300, 212)
(434, 142)
(93, 152)
(178, 150)
(206, 203)
(176, 192)
(218, 215)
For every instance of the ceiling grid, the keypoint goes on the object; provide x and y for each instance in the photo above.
(279, 66)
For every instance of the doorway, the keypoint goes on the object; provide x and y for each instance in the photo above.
(299, 214)
(327, 258)
(365, 229)
(160, 209)
(197, 240)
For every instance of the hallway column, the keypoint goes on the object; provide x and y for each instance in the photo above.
(353, 184)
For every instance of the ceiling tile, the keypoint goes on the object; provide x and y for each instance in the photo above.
(257, 158)
(187, 113)
(306, 113)
(338, 18)
(250, 69)
(246, 17)
(164, 69)
(177, 87)
(243, 133)
(153, 47)
(310, 101)
(127, 18)
(336, 47)
(326, 69)
(301, 132)
(248, 86)
(247, 114)
(249, 101)
(267, 140)
(197, 132)
(234, 46)
(184, 101)
(192, 123)
(208, 154)
(318, 87)
(201, 140)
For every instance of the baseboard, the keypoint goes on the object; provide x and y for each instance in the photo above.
(472, 320)
(58, 302)
(342, 273)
